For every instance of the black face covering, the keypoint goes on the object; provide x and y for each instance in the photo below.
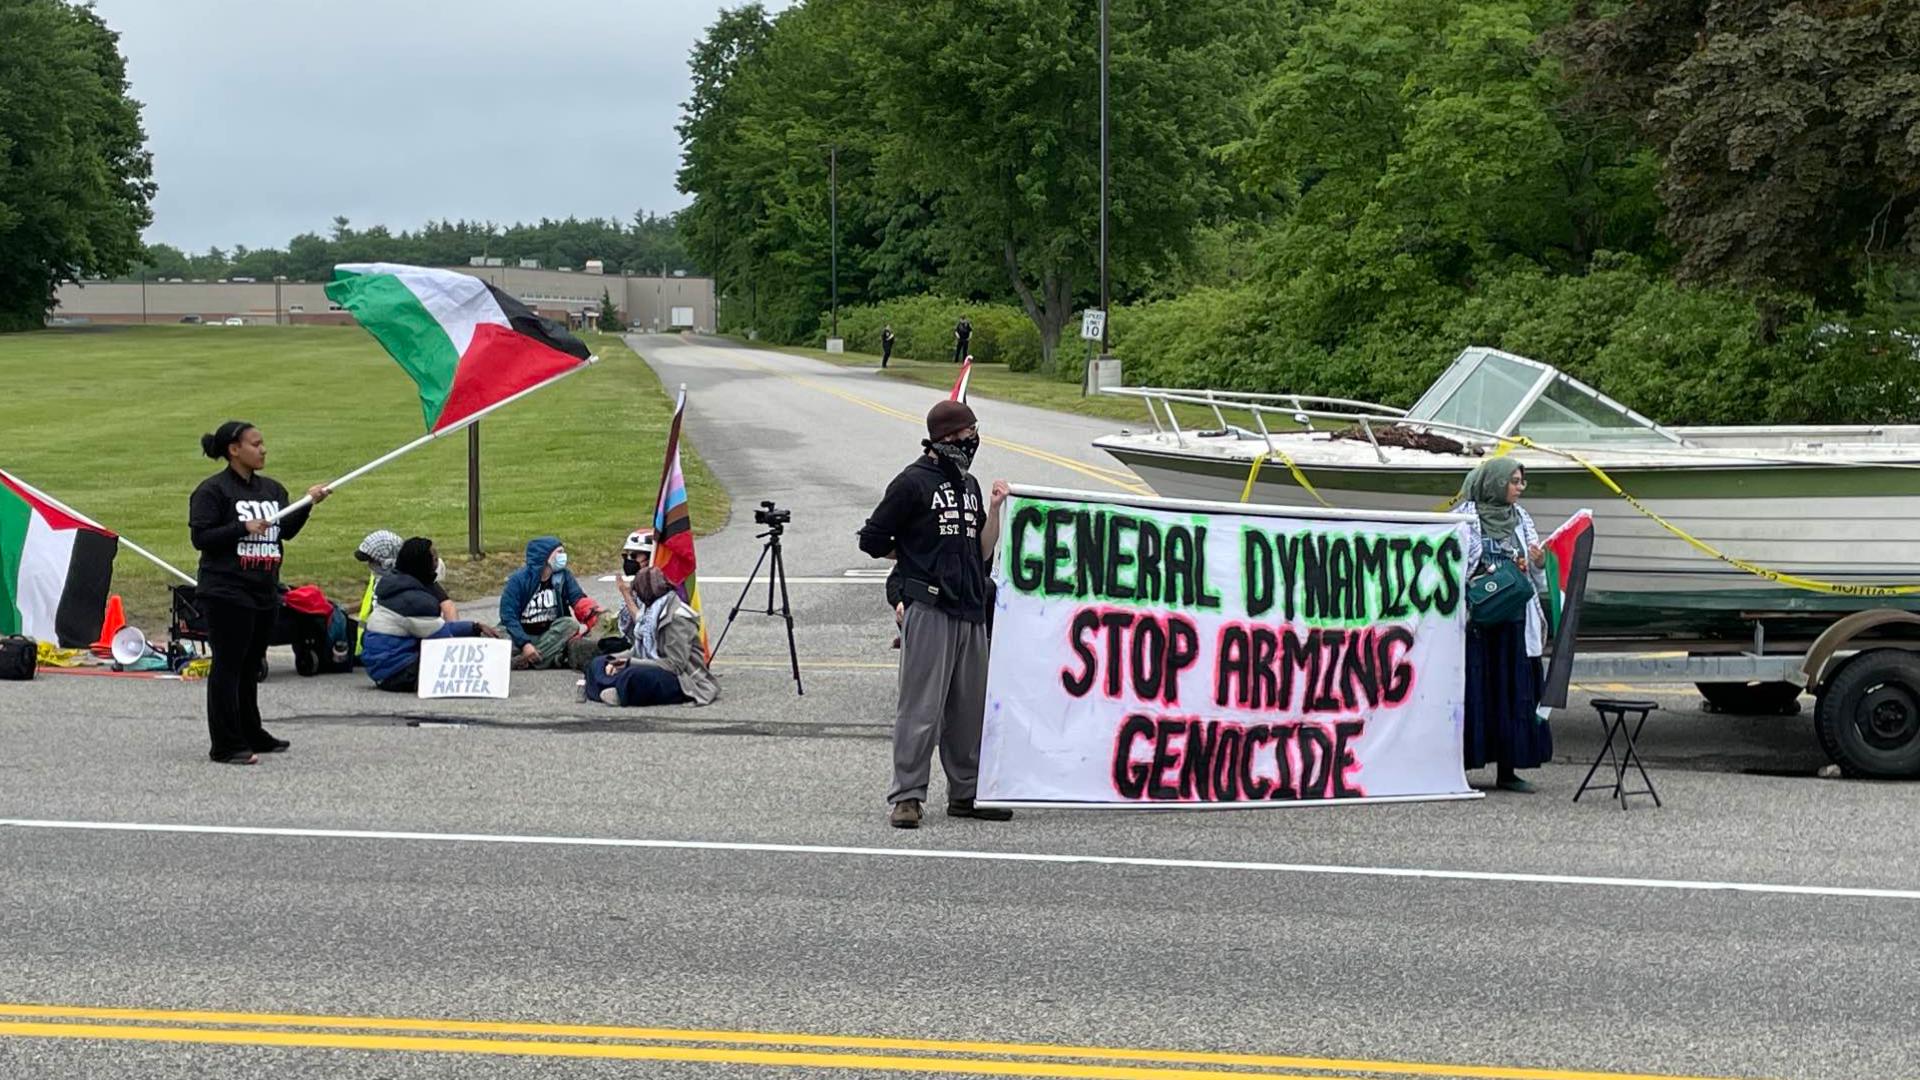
(416, 560)
(629, 565)
(957, 456)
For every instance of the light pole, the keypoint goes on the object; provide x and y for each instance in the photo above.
(833, 228)
(1104, 295)
(278, 280)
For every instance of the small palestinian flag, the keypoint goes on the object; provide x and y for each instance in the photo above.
(56, 568)
(1568, 551)
(960, 384)
(469, 346)
(673, 525)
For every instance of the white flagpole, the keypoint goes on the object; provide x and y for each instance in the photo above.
(124, 542)
(430, 436)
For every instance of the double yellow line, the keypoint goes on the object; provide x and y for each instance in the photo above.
(783, 1049)
(1110, 477)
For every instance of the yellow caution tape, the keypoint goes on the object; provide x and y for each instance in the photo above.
(1781, 577)
(1253, 473)
(1507, 445)
(47, 654)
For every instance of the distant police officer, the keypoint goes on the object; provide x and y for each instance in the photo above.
(933, 523)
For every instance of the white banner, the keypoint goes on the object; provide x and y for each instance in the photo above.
(1152, 652)
(465, 667)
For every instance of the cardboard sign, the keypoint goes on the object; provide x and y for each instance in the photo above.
(465, 667)
(1153, 652)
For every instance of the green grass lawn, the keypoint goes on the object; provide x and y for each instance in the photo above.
(109, 420)
(1020, 387)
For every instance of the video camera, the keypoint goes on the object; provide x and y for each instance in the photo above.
(770, 517)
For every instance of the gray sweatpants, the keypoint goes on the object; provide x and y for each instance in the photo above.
(943, 696)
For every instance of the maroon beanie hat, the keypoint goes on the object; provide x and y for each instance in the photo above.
(947, 417)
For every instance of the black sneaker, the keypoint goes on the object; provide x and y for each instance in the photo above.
(242, 757)
(271, 745)
(965, 808)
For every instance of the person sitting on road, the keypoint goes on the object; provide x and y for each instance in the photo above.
(536, 606)
(661, 628)
(378, 551)
(621, 681)
(406, 611)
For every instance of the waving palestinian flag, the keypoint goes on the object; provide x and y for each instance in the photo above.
(56, 568)
(1567, 553)
(469, 346)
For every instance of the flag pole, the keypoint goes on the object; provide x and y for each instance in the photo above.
(124, 542)
(303, 501)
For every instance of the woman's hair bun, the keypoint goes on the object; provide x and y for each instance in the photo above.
(215, 445)
(210, 446)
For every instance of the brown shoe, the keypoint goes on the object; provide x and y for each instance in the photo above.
(905, 814)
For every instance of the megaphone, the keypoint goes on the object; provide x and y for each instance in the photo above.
(129, 646)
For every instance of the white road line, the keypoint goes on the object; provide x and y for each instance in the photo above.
(980, 856)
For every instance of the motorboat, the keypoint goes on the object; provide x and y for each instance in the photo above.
(1836, 504)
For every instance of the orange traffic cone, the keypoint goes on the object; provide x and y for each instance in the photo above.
(115, 619)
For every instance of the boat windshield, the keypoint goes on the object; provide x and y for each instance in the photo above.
(1498, 392)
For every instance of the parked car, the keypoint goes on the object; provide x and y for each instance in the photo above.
(235, 320)
(189, 318)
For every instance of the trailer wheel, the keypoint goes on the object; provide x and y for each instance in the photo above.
(1751, 698)
(1868, 715)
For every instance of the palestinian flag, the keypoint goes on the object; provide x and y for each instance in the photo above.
(469, 346)
(673, 525)
(960, 384)
(1567, 554)
(56, 568)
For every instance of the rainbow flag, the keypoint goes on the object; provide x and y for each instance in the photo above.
(1567, 553)
(673, 525)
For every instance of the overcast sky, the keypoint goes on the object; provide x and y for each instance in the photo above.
(268, 117)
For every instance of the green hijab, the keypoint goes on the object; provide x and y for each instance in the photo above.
(1487, 487)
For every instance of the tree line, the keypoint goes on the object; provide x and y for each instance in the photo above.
(647, 244)
(1707, 207)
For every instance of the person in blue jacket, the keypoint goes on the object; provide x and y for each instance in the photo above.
(406, 611)
(536, 607)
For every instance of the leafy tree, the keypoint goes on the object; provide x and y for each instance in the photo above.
(75, 175)
(1790, 133)
(992, 114)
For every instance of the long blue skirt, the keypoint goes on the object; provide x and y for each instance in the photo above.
(1503, 689)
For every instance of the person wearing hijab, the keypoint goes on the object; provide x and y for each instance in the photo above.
(1503, 722)
(662, 629)
(406, 611)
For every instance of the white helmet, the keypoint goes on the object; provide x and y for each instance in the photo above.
(639, 541)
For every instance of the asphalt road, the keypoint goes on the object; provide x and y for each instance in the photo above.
(716, 892)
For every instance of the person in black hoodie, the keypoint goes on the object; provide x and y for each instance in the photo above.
(239, 586)
(933, 523)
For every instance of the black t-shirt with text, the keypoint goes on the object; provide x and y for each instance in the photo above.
(235, 566)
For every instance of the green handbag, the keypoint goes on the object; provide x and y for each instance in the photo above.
(1499, 592)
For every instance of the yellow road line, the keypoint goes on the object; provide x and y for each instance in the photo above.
(1110, 477)
(787, 1039)
(613, 1051)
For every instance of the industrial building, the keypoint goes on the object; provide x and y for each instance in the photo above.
(570, 296)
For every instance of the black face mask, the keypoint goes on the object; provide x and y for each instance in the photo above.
(629, 565)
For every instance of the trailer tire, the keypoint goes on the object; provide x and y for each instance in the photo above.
(1868, 715)
(1752, 698)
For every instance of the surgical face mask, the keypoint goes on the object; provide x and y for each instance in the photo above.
(630, 565)
(559, 560)
(439, 569)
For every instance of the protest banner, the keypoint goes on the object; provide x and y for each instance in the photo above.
(465, 667)
(1155, 652)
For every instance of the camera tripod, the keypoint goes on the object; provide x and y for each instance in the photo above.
(778, 575)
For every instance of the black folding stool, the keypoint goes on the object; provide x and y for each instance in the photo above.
(1613, 720)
